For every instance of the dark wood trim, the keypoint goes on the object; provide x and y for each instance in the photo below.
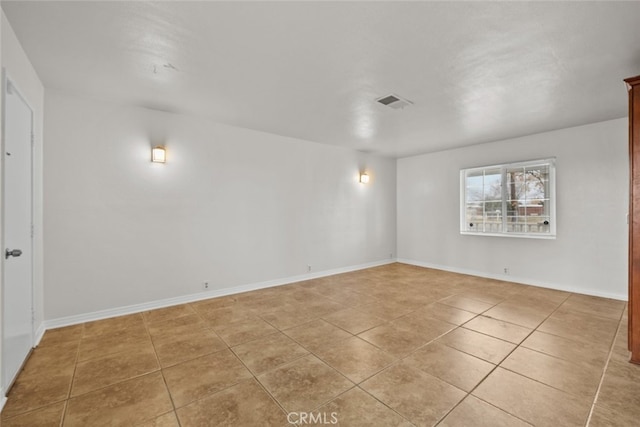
(633, 85)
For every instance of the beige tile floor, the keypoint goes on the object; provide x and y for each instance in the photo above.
(396, 345)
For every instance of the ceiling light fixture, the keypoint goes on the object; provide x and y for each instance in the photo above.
(364, 178)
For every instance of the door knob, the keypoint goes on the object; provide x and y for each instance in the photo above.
(13, 252)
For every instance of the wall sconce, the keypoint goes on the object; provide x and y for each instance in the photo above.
(158, 154)
(364, 178)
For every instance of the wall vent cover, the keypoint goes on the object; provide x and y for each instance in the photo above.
(394, 101)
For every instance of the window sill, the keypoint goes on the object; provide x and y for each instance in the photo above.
(518, 235)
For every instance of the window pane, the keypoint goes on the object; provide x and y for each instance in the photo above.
(474, 186)
(527, 199)
(474, 194)
(493, 190)
(514, 198)
(474, 216)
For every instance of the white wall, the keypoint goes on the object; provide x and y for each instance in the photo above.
(590, 252)
(19, 69)
(231, 205)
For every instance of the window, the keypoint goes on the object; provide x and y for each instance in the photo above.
(516, 199)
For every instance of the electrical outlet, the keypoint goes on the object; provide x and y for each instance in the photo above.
(506, 270)
(308, 269)
(391, 255)
(205, 285)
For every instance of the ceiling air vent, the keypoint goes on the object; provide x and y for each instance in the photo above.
(394, 101)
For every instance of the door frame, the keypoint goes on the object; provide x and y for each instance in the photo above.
(8, 84)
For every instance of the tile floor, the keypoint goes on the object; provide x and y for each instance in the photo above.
(395, 345)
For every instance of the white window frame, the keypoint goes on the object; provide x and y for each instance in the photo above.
(551, 234)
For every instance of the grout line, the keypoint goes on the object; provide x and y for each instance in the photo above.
(254, 377)
(313, 353)
(160, 369)
(398, 360)
(381, 402)
(64, 412)
(262, 386)
(604, 371)
(501, 361)
(73, 376)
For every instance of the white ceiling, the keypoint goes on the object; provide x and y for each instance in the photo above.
(476, 71)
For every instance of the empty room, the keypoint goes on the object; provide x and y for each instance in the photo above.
(308, 213)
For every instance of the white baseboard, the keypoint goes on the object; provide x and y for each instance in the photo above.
(39, 334)
(137, 308)
(514, 279)
(3, 399)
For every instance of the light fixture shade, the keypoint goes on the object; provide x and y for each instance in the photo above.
(364, 178)
(158, 154)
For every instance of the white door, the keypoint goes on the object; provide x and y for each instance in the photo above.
(17, 289)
